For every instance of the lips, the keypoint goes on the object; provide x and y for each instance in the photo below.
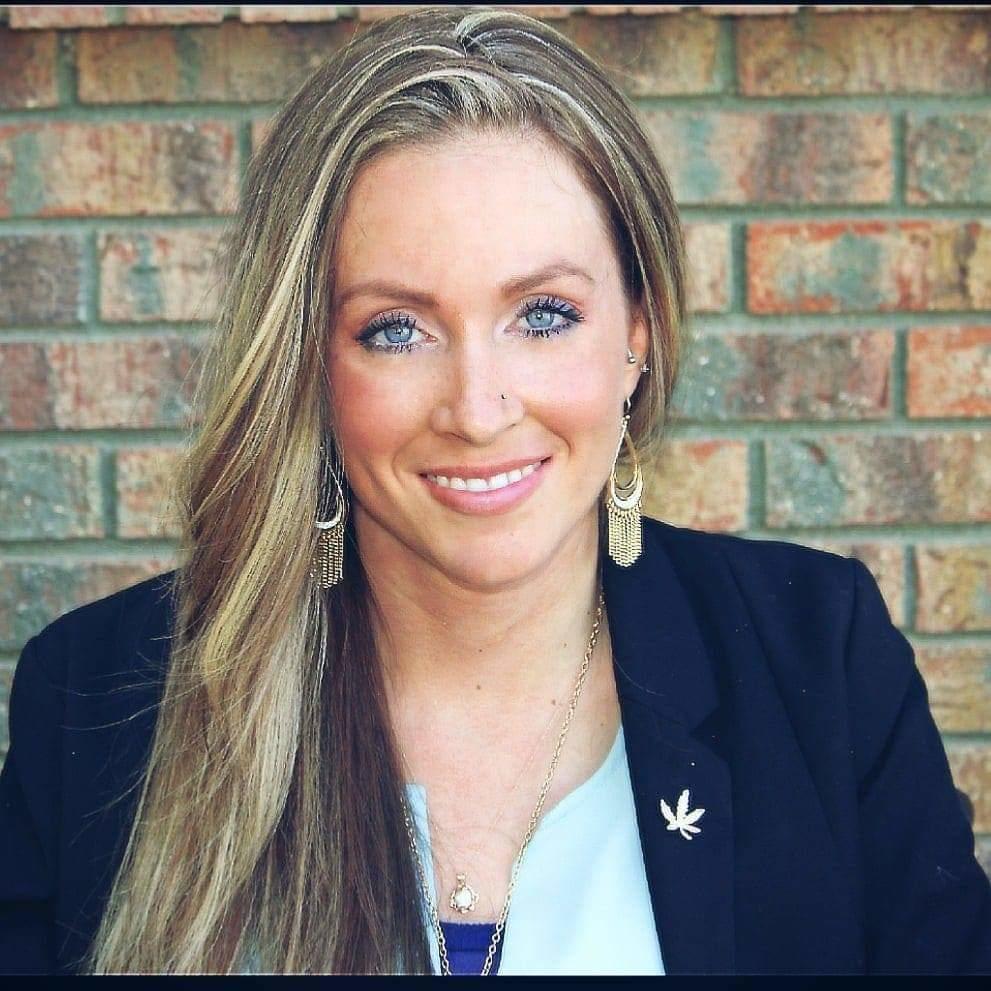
(467, 490)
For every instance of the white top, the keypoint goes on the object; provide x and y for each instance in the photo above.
(581, 903)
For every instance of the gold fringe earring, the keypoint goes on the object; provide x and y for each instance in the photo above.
(327, 568)
(623, 506)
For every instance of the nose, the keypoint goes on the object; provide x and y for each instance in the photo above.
(470, 401)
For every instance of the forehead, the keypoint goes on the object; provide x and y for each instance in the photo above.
(481, 204)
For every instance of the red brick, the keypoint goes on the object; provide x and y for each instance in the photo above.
(958, 679)
(948, 158)
(125, 65)
(885, 562)
(745, 9)
(708, 248)
(848, 480)
(80, 385)
(50, 492)
(546, 11)
(954, 588)
(33, 593)
(120, 168)
(41, 276)
(85, 15)
(381, 11)
(25, 393)
(865, 266)
(700, 484)
(730, 157)
(145, 504)
(930, 51)
(776, 377)
(258, 13)
(970, 764)
(612, 9)
(147, 382)
(178, 13)
(653, 56)
(231, 62)
(27, 69)
(159, 275)
(949, 371)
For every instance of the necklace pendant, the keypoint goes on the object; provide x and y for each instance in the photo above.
(463, 897)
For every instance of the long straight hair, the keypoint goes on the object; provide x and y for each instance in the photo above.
(269, 826)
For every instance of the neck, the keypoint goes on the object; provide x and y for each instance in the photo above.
(492, 650)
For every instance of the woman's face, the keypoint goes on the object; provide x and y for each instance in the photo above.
(467, 272)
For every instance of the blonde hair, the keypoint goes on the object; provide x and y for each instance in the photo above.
(270, 819)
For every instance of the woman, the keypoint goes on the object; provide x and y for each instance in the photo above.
(425, 694)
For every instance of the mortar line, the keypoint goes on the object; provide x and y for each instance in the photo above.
(756, 483)
(728, 213)
(738, 267)
(90, 257)
(66, 74)
(726, 100)
(910, 596)
(899, 166)
(108, 484)
(244, 151)
(95, 548)
(899, 375)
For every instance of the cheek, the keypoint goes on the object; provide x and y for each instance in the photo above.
(579, 393)
(374, 414)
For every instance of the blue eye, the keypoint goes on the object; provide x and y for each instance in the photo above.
(394, 331)
(547, 307)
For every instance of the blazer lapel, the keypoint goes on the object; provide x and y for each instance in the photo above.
(666, 685)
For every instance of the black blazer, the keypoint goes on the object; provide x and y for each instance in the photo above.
(765, 677)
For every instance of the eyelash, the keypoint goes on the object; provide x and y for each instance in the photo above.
(551, 304)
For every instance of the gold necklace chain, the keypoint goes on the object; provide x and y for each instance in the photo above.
(437, 844)
(534, 817)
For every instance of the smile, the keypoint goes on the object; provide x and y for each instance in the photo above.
(501, 489)
(489, 484)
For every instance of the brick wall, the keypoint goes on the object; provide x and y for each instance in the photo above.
(833, 169)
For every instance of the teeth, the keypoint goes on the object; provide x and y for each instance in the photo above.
(499, 481)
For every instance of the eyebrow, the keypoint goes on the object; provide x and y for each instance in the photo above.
(512, 287)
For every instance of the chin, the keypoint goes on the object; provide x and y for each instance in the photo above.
(480, 555)
(488, 565)
(499, 560)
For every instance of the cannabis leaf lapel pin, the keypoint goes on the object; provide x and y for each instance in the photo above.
(681, 819)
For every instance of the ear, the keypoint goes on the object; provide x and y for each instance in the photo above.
(638, 341)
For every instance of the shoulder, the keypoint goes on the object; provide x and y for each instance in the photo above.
(762, 570)
(107, 635)
(814, 620)
(809, 612)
